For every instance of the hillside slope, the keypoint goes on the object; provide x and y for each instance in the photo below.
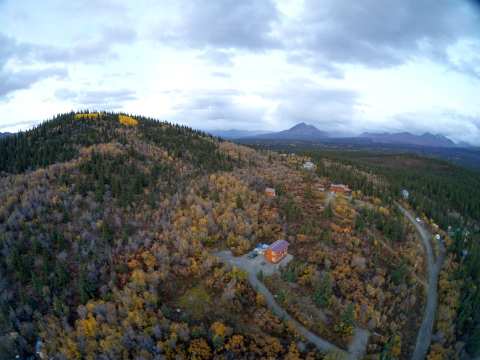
(108, 229)
(61, 138)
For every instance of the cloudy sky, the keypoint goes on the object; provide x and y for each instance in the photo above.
(344, 66)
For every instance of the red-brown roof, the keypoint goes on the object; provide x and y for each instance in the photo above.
(340, 187)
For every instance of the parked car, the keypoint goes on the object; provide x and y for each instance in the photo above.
(252, 255)
(418, 220)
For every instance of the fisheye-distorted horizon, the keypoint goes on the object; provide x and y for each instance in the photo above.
(344, 67)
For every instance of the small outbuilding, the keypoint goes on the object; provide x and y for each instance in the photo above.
(308, 165)
(340, 188)
(276, 251)
(405, 194)
(270, 192)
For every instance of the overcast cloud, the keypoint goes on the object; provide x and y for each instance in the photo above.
(344, 66)
(225, 24)
(382, 33)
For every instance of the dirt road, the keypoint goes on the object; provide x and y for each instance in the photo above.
(357, 347)
(424, 336)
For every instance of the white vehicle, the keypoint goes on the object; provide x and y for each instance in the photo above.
(418, 220)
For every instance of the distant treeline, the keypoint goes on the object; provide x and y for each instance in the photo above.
(445, 192)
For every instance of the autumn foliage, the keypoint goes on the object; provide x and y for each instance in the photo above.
(127, 120)
(108, 245)
(88, 116)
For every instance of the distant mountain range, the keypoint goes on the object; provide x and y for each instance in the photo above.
(304, 136)
(234, 134)
(4, 134)
(300, 131)
(306, 132)
(407, 138)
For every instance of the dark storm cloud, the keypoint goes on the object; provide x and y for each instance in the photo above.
(225, 24)
(379, 33)
(99, 100)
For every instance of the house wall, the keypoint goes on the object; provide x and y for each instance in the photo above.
(273, 256)
(270, 193)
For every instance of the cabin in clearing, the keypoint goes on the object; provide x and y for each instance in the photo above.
(340, 189)
(309, 165)
(276, 251)
(270, 192)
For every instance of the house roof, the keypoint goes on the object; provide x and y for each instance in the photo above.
(279, 245)
(340, 186)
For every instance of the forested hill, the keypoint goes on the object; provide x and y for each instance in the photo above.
(80, 196)
(61, 138)
(111, 228)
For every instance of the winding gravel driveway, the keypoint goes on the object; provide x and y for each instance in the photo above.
(357, 347)
(424, 336)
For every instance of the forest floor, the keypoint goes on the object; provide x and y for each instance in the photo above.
(434, 266)
(358, 345)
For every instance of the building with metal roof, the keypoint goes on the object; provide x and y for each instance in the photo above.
(277, 251)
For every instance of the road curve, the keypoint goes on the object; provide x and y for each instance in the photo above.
(322, 344)
(424, 336)
(357, 347)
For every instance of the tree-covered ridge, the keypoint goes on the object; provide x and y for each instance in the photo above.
(130, 208)
(110, 254)
(61, 138)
